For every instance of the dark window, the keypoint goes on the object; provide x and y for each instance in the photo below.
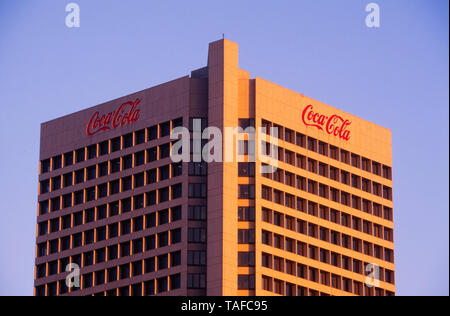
(115, 144)
(57, 162)
(197, 235)
(45, 166)
(246, 169)
(176, 213)
(164, 151)
(246, 282)
(164, 129)
(92, 151)
(80, 155)
(246, 191)
(128, 141)
(126, 184)
(152, 176)
(139, 158)
(197, 213)
(164, 173)
(140, 137)
(175, 236)
(163, 239)
(176, 191)
(104, 148)
(153, 133)
(152, 154)
(115, 165)
(127, 162)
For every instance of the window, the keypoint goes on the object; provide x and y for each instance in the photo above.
(57, 162)
(387, 172)
(175, 236)
(245, 123)
(246, 191)
(312, 144)
(45, 166)
(150, 242)
(139, 158)
(163, 195)
(177, 122)
(115, 165)
(140, 137)
(246, 169)
(197, 235)
(197, 213)
(128, 141)
(103, 148)
(164, 151)
(153, 133)
(164, 173)
(197, 190)
(152, 154)
(246, 282)
(152, 176)
(164, 129)
(196, 281)
(246, 214)
(45, 186)
(68, 180)
(163, 262)
(246, 259)
(177, 170)
(127, 162)
(197, 258)
(246, 236)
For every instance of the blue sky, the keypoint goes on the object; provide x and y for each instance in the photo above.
(395, 76)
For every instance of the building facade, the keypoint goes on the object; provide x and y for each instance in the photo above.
(114, 203)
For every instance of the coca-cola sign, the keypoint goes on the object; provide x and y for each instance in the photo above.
(333, 125)
(125, 114)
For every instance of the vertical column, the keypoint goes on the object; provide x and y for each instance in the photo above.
(222, 177)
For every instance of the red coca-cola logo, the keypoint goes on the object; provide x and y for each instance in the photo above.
(125, 114)
(333, 125)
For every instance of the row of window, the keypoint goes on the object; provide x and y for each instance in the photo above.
(110, 146)
(125, 271)
(340, 218)
(332, 173)
(147, 288)
(324, 255)
(77, 240)
(329, 150)
(148, 199)
(281, 287)
(114, 166)
(302, 205)
(107, 211)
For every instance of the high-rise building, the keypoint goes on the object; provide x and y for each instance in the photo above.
(114, 203)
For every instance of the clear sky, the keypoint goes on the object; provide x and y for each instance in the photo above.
(395, 76)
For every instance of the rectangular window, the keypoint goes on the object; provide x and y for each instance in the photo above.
(246, 214)
(197, 190)
(246, 236)
(246, 259)
(246, 169)
(197, 235)
(246, 191)
(246, 282)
